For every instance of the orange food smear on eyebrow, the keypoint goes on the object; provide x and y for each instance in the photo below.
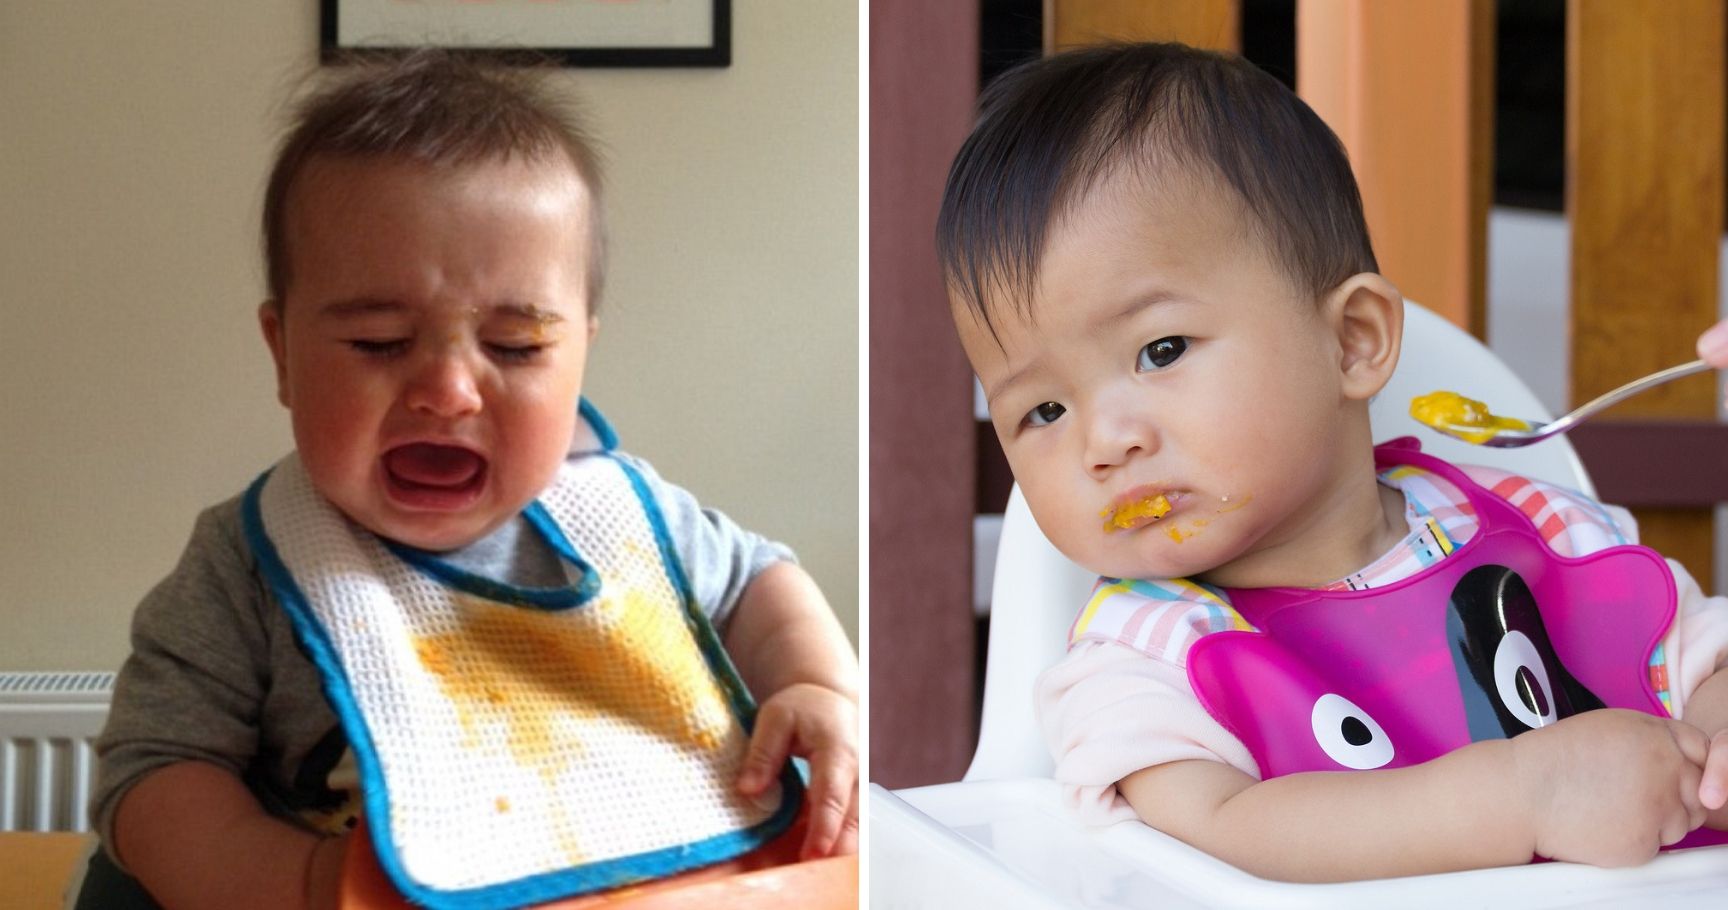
(1124, 517)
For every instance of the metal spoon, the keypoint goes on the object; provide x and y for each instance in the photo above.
(1512, 438)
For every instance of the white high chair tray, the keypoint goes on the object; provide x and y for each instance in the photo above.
(1011, 844)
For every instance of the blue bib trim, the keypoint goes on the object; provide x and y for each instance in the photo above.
(719, 662)
(563, 883)
(550, 599)
(602, 427)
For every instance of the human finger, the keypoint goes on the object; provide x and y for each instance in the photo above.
(770, 746)
(1713, 345)
(1693, 744)
(1691, 797)
(1672, 832)
(1713, 782)
(848, 841)
(833, 782)
(1678, 822)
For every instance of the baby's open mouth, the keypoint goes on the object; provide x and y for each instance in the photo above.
(1135, 513)
(429, 467)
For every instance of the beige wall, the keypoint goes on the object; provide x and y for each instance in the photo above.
(134, 389)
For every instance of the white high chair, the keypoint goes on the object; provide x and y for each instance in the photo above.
(1001, 837)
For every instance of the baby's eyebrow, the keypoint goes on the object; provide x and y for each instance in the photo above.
(528, 311)
(360, 306)
(364, 306)
(1157, 297)
(1008, 382)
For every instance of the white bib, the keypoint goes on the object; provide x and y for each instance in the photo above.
(519, 745)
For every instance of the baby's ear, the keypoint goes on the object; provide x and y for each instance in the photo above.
(1367, 313)
(270, 321)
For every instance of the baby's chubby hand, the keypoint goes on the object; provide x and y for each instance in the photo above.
(819, 725)
(1610, 787)
(1713, 785)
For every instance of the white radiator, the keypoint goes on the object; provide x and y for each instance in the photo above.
(48, 727)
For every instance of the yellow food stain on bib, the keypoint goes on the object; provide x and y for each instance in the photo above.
(1465, 418)
(626, 659)
(539, 677)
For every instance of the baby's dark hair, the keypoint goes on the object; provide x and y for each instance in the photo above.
(1049, 130)
(436, 107)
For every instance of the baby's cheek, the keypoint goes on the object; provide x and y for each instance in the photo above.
(538, 440)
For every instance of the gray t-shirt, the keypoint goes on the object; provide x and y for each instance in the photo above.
(216, 673)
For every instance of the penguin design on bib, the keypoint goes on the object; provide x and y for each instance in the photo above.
(1499, 638)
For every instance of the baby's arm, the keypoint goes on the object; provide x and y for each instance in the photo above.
(1606, 787)
(793, 654)
(1708, 711)
(186, 719)
(196, 838)
(1129, 738)
(1696, 649)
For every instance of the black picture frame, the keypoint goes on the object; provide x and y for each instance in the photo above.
(716, 53)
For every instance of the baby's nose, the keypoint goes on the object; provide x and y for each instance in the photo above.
(444, 385)
(1115, 440)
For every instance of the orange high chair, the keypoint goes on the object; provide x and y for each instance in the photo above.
(769, 878)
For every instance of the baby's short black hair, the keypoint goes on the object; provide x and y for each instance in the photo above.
(1049, 130)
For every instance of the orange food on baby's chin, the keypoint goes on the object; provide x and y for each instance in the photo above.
(1122, 518)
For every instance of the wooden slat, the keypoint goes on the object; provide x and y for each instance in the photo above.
(1408, 87)
(1644, 161)
(923, 684)
(995, 478)
(1669, 464)
(1214, 24)
(1479, 178)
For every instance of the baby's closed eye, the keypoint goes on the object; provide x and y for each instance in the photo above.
(379, 347)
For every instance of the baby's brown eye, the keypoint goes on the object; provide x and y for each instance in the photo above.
(1045, 414)
(1161, 353)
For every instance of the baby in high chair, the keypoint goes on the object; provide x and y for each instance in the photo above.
(457, 605)
(1159, 269)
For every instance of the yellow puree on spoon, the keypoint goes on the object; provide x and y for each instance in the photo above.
(1465, 418)
(1123, 518)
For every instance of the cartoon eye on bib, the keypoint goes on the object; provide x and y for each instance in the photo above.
(1348, 734)
(1509, 675)
(1521, 681)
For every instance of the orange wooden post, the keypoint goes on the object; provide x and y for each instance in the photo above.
(1214, 24)
(1408, 87)
(1644, 185)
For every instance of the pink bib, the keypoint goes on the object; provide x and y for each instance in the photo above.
(1500, 637)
